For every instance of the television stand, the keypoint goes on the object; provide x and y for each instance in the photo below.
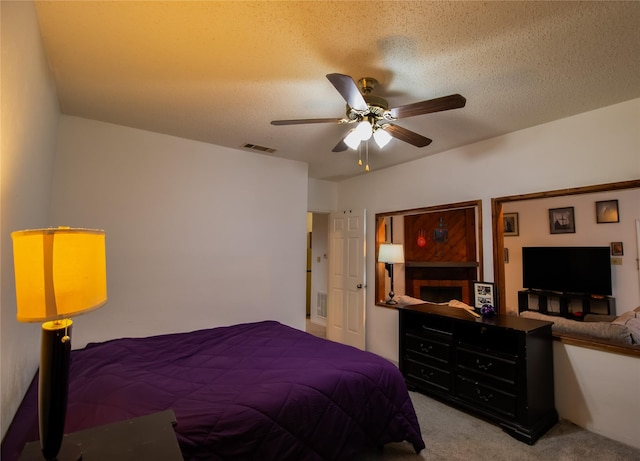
(569, 305)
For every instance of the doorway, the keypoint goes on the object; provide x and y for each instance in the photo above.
(317, 272)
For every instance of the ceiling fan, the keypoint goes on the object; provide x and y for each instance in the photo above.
(372, 115)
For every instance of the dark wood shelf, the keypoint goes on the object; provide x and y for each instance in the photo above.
(441, 264)
(587, 303)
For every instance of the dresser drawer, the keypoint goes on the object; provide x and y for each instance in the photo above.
(417, 323)
(486, 396)
(421, 374)
(427, 346)
(500, 340)
(486, 365)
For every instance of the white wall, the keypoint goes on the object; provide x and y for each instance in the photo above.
(533, 216)
(322, 196)
(197, 235)
(29, 120)
(598, 391)
(596, 147)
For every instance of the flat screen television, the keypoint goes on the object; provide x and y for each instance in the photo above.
(583, 270)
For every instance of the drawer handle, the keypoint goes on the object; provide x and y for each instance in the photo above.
(483, 397)
(482, 366)
(426, 349)
(426, 374)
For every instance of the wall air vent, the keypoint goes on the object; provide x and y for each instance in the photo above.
(268, 150)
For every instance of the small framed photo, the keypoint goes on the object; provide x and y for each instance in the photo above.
(607, 211)
(483, 294)
(511, 228)
(562, 220)
(616, 249)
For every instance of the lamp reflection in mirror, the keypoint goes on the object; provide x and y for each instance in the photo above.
(59, 273)
(390, 254)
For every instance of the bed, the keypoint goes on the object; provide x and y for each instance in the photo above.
(250, 391)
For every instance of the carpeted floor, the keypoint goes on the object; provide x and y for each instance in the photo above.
(316, 330)
(452, 435)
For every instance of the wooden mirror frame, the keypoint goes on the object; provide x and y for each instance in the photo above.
(498, 254)
(380, 272)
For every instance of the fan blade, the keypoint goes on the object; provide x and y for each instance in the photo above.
(453, 101)
(307, 120)
(406, 135)
(348, 90)
(340, 147)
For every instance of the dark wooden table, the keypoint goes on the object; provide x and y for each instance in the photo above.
(150, 437)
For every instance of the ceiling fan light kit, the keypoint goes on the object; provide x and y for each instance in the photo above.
(381, 137)
(352, 139)
(364, 130)
(373, 116)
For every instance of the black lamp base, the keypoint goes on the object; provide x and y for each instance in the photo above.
(391, 295)
(55, 359)
(68, 452)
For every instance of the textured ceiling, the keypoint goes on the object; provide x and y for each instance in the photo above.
(219, 72)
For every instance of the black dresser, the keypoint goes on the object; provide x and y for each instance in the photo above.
(500, 368)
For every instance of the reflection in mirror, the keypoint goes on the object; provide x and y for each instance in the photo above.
(584, 318)
(442, 249)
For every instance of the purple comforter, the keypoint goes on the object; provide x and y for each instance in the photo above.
(251, 391)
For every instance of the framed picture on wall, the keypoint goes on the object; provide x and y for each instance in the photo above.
(483, 294)
(616, 249)
(511, 224)
(607, 211)
(562, 220)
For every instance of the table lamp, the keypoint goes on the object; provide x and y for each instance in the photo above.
(59, 273)
(390, 254)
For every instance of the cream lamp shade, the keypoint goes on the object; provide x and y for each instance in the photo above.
(59, 272)
(391, 253)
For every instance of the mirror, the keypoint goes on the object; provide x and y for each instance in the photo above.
(507, 249)
(442, 249)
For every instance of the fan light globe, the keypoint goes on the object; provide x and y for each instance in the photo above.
(352, 139)
(364, 130)
(381, 137)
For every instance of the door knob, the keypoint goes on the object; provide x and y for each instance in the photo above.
(359, 285)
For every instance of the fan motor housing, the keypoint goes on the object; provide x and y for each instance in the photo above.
(377, 108)
(376, 101)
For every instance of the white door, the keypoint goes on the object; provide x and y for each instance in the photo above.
(345, 306)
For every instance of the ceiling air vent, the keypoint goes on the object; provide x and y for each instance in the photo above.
(268, 150)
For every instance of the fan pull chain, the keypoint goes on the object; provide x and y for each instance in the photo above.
(360, 154)
(366, 167)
